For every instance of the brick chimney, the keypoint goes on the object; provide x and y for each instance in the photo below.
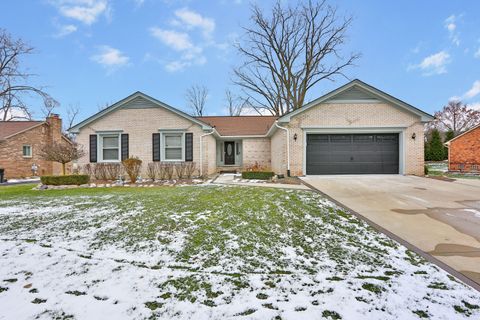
(55, 127)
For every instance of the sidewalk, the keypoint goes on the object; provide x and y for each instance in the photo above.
(235, 179)
(12, 182)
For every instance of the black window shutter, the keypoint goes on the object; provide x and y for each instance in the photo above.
(93, 148)
(156, 146)
(124, 142)
(188, 146)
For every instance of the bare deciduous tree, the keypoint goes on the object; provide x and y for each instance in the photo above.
(62, 153)
(49, 106)
(196, 98)
(72, 114)
(457, 117)
(289, 52)
(235, 104)
(14, 87)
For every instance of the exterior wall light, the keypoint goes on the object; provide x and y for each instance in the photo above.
(414, 136)
(295, 137)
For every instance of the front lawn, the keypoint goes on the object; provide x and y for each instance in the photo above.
(208, 252)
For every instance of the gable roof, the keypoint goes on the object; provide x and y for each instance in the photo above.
(462, 134)
(364, 92)
(11, 128)
(76, 128)
(240, 125)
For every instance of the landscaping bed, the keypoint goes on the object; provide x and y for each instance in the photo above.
(199, 252)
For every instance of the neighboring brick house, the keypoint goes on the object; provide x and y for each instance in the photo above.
(21, 142)
(355, 129)
(464, 151)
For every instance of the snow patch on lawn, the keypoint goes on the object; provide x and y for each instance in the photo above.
(103, 257)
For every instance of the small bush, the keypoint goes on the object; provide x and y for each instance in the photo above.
(168, 170)
(180, 169)
(190, 168)
(132, 167)
(89, 170)
(152, 170)
(103, 171)
(112, 170)
(425, 169)
(161, 174)
(65, 180)
(258, 175)
(99, 172)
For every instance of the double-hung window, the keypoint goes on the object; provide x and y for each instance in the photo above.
(27, 151)
(173, 146)
(110, 147)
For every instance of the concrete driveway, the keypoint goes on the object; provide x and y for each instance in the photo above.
(438, 217)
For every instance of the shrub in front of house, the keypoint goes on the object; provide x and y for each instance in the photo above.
(257, 175)
(103, 171)
(76, 179)
(132, 167)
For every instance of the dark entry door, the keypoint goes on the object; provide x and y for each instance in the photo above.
(352, 153)
(229, 152)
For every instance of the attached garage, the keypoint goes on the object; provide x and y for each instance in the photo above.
(354, 129)
(352, 153)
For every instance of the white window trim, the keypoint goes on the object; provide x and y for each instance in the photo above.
(31, 152)
(163, 146)
(100, 147)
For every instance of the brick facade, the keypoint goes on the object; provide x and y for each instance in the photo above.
(140, 124)
(11, 150)
(278, 151)
(350, 116)
(256, 151)
(140, 118)
(464, 152)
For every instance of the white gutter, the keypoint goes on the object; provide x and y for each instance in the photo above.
(201, 150)
(288, 146)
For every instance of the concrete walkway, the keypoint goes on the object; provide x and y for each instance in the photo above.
(12, 182)
(235, 179)
(438, 217)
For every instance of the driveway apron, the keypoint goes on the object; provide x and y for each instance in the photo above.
(440, 218)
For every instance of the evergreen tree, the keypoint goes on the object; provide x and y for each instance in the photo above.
(449, 135)
(436, 148)
(426, 151)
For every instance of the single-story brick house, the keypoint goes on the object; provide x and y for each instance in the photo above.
(353, 129)
(464, 151)
(21, 142)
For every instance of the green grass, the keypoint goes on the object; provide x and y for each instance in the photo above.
(421, 314)
(208, 219)
(208, 216)
(373, 288)
(331, 315)
(215, 240)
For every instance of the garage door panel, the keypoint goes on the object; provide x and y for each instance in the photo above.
(352, 153)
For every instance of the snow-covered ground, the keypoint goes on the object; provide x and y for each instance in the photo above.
(440, 166)
(210, 253)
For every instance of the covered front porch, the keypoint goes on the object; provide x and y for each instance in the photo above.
(229, 154)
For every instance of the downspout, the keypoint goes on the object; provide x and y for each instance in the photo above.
(288, 146)
(201, 150)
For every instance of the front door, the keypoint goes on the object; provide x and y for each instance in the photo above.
(229, 152)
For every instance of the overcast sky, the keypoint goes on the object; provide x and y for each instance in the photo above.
(93, 52)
